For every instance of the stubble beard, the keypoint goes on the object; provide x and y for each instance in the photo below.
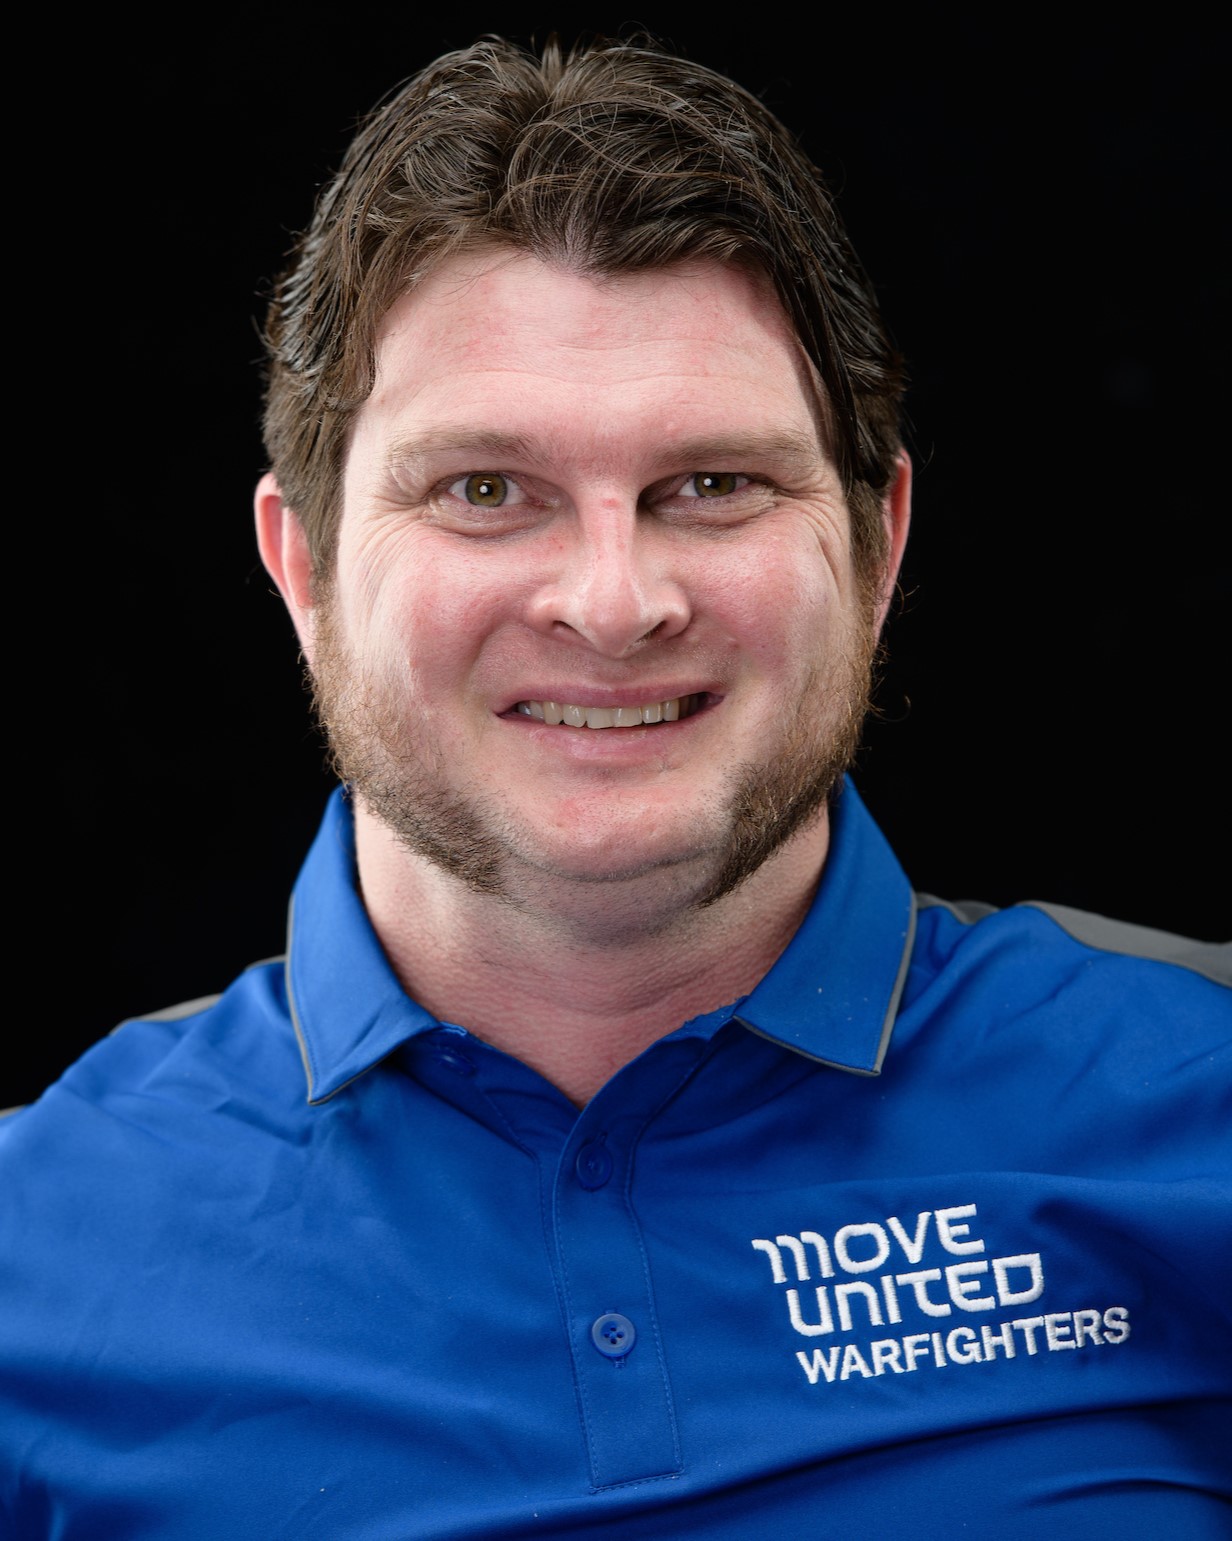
(773, 801)
(369, 733)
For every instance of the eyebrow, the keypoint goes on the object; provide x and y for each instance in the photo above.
(720, 452)
(448, 441)
(732, 452)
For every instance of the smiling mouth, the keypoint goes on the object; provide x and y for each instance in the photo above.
(555, 713)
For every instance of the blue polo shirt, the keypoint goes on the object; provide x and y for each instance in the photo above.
(929, 1235)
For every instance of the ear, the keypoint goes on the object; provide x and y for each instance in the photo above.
(284, 550)
(896, 511)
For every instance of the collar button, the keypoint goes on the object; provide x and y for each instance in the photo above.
(454, 1059)
(613, 1335)
(593, 1165)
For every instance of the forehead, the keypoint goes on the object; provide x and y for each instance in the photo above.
(505, 342)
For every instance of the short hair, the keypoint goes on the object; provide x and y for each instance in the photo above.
(617, 157)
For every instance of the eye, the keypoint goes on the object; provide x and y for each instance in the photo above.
(712, 484)
(485, 489)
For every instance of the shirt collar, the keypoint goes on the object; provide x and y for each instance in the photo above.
(832, 995)
(348, 1008)
(834, 992)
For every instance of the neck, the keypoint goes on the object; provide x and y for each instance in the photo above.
(577, 978)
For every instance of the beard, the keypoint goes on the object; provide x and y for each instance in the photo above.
(772, 802)
(401, 778)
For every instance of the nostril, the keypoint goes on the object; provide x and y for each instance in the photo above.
(610, 605)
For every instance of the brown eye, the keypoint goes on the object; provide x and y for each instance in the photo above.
(715, 484)
(487, 489)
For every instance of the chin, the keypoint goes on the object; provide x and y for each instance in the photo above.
(621, 855)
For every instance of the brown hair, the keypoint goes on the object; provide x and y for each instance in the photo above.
(614, 158)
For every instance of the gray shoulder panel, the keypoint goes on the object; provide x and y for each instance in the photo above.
(173, 1013)
(1213, 960)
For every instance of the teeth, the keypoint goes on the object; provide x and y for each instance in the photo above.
(553, 713)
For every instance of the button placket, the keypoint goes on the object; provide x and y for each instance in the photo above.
(627, 1413)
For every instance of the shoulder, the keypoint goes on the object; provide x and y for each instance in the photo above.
(1073, 986)
(1037, 929)
(153, 1071)
(1062, 1042)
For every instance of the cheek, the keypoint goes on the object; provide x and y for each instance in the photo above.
(420, 612)
(780, 605)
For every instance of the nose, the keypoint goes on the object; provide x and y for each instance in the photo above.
(613, 588)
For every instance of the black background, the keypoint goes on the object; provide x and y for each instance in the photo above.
(1038, 207)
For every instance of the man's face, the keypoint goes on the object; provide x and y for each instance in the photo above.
(608, 502)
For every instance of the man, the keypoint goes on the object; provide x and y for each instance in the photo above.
(622, 1147)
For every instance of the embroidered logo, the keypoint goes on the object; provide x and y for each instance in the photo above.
(839, 1298)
